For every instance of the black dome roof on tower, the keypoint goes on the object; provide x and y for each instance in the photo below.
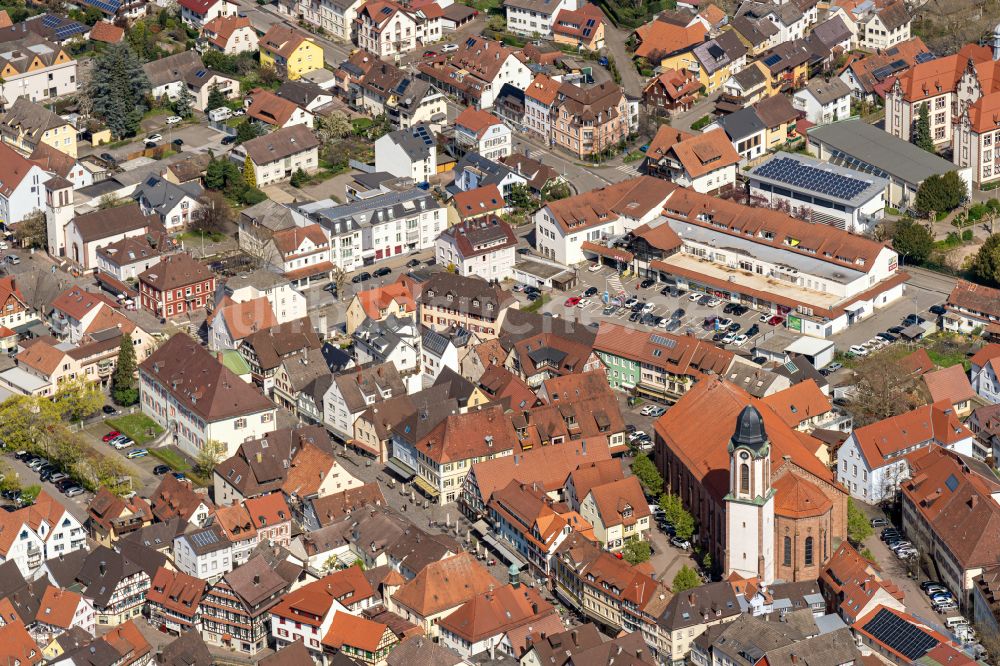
(750, 429)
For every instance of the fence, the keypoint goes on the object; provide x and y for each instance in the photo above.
(361, 166)
(222, 127)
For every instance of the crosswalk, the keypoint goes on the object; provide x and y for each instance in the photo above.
(630, 170)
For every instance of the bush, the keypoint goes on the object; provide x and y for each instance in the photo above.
(636, 551)
(967, 235)
(701, 122)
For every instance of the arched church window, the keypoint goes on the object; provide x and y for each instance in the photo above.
(787, 558)
(744, 478)
(809, 550)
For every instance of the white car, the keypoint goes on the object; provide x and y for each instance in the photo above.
(594, 268)
(154, 137)
(715, 301)
(858, 350)
(448, 48)
(173, 120)
(239, 112)
(740, 340)
(584, 302)
(648, 307)
(729, 338)
(694, 296)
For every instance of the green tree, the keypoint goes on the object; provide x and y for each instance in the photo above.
(183, 103)
(556, 190)
(32, 230)
(30, 494)
(941, 193)
(986, 264)
(247, 130)
(298, 178)
(215, 97)
(118, 88)
(636, 551)
(77, 399)
(921, 135)
(686, 579)
(333, 128)
(249, 174)
(124, 389)
(677, 515)
(912, 240)
(648, 475)
(208, 457)
(520, 197)
(858, 527)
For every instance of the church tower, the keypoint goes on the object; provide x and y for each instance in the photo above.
(750, 502)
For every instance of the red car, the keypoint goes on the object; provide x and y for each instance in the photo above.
(110, 436)
(572, 301)
(775, 320)
(430, 54)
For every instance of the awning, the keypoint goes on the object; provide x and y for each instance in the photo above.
(608, 252)
(424, 486)
(401, 469)
(505, 553)
(913, 331)
(481, 527)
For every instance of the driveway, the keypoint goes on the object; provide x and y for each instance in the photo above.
(614, 42)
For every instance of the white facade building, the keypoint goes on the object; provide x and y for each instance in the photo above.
(824, 101)
(408, 153)
(535, 17)
(485, 247)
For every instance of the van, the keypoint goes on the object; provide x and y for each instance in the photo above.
(956, 621)
(220, 114)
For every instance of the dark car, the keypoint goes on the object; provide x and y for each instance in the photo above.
(634, 317)
(179, 476)
(151, 144)
(178, 141)
(160, 470)
(361, 277)
(888, 337)
(638, 307)
(591, 291)
(108, 409)
(532, 297)
(678, 313)
(65, 484)
(912, 319)
(759, 360)
(730, 308)
(753, 330)
(109, 158)
(381, 272)
(229, 139)
(647, 283)
(330, 287)
(937, 309)
(413, 263)
(896, 330)
(718, 337)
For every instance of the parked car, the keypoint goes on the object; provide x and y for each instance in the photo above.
(572, 301)
(61, 486)
(695, 296)
(776, 320)
(57, 477)
(591, 291)
(73, 491)
(596, 267)
(153, 138)
(108, 409)
(448, 48)
(160, 470)
(678, 542)
(858, 350)
(381, 272)
(937, 310)
(879, 522)
(678, 313)
(724, 323)
(228, 140)
(124, 444)
(173, 120)
(178, 142)
(888, 337)
(741, 340)
(13, 259)
(912, 319)
(753, 331)
(658, 411)
(413, 263)
(137, 453)
(673, 325)
(714, 301)
(931, 583)
(110, 436)
(583, 302)
(609, 310)
(180, 476)
(361, 277)
(647, 283)
(109, 158)
(833, 367)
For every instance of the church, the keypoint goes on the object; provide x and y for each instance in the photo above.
(765, 505)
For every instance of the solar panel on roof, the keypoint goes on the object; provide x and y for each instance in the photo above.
(772, 59)
(924, 57)
(590, 23)
(900, 635)
(669, 343)
(806, 177)
(204, 538)
(951, 482)
(586, 32)
(50, 20)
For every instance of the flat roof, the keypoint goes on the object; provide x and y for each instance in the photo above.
(22, 379)
(821, 179)
(539, 269)
(808, 346)
(772, 255)
(875, 151)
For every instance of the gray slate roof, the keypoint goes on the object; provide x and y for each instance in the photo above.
(741, 124)
(162, 196)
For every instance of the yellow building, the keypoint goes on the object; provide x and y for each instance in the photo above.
(289, 51)
(28, 124)
(712, 62)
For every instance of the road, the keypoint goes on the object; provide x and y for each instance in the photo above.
(614, 41)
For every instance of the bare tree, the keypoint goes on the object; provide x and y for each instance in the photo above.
(884, 389)
(215, 214)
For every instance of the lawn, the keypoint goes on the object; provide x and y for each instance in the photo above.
(537, 304)
(194, 235)
(171, 457)
(946, 350)
(138, 426)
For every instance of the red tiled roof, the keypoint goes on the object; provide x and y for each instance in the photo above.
(480, 201)
(176, 591)
(476, 121)
(659, 39)
(58, 607)
(199, 7)
(355, 632)
(107, 32)
(880, 440)
(949, 384)
(445, 584)
(496, 612)
(799, 402)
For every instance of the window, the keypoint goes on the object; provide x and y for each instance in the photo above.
(809, 551)
(744, 478)
(787, 557)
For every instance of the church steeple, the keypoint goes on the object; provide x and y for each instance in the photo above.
(750, 502)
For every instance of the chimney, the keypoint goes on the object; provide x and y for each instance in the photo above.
(259, 456)
(103, 567)
(638, 654)
(575, 635)
(794, 657)
(256, 580)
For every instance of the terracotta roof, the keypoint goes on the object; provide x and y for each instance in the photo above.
(685, 431)
(878, 441)
(223, 27)
(949, 384)
(617, 498)
(476, 121)
(58, 607)
(176, 499)
(268, 510)
(273, 110)
(898, 58)
(941, 75)
(199, 7)
(283, 40)
(290, 241)
(712, 13)
(699, 153)
(308, 470)
(127, 641)
(378, 299)
(479, 201)
(799, 402)
(918, 362)
(176, 591)
(659, 39)
(594, 474)
(543, 89)
(41, 356)
(311, 603)
(247, 317)
(528, 510)
(976, 298)
(445, 584)
(474, 434)
(107, 32)
(777, 110)
(332, 507)
(200, 383)
(496, 612)
(629, 198)
(17, 646)
(986, 354)
(686, 356)
(573, 23)
(5, 21)
(796, 497)
(355, 632)
(176, 270)
(78, 303)
(677, 85)
(507, 388)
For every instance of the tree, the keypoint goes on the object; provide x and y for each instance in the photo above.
(249, 172)
(30, 494)
(124, 390)
(648, 476)
(32, 231)
(686, 579)
(922, 129)
(111, 201)
(636, 551)
(183, 103)
(338, 276)
(333, 128)
(986, 264)
(912, 240)
(77, 399)
(208, 457)
(555, 190)
(143, 41)
(298, 178)
(883, 389)
(247, 130)
(677, 515)
(215, 96)
(520, 197)
(941, 193)
(215, 214)
(118, 89)
(858, 527)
